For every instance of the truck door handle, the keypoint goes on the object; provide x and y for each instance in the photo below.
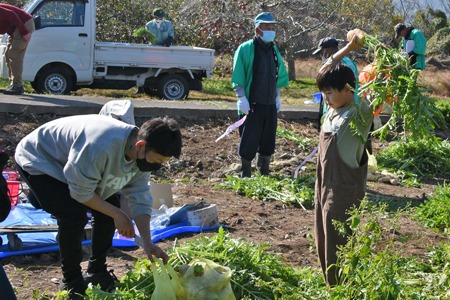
(82, 34)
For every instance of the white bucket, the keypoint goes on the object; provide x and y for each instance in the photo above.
(205, 216)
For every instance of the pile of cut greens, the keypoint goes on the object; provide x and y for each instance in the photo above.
(298, 191)
(144, 31)
(396, 80)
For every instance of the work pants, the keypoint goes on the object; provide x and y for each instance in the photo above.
(15, 53)
(54, 197)
(5, 286)
(258, 132)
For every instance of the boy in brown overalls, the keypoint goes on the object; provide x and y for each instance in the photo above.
(342, 158)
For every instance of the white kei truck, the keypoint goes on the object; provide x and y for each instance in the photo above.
(63, 56)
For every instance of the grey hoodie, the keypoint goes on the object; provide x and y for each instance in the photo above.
(87, 153)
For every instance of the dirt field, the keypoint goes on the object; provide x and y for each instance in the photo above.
(205, 162)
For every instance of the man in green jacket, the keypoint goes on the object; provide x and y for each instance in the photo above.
(258, 74)
(414, 43)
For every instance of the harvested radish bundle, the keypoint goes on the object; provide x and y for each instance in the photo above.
(144, 31)
(360, 36)
(393, 80)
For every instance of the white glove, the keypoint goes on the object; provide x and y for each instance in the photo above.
(243, 105)
(278, 103)
(410, 45)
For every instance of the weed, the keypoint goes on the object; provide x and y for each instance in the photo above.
(425, 158)
(435, 213)
(303, 143)
(298, 191)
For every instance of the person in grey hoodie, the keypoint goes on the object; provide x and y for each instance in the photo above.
(75, 164)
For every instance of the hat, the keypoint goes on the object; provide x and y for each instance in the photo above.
(398, 29)
(264, 17)
(159, 13)
(327, 42)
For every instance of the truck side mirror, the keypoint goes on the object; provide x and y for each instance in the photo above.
(37, 22)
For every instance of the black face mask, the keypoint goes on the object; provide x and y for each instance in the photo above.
(145, 166)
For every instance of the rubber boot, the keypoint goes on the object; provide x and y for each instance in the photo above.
(262, 164)
(246, 168)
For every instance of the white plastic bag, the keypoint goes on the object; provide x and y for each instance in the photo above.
(211, 283)
(372, 166)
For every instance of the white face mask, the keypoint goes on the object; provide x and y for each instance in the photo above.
(158, 21)
(324, 58)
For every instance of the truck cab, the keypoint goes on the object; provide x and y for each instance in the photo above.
(63, 55)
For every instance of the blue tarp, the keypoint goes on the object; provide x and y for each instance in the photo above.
(26, 214)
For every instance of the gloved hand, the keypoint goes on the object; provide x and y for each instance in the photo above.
(278, 103)
(243, 105)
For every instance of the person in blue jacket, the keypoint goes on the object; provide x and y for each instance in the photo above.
(161, 28)
(258, 74)
(413, 43)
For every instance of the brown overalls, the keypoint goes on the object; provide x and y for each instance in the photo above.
(338, 188)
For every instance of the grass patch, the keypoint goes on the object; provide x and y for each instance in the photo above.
(303, 143)
(370, 266)
(435, 213)
(425, 158)
(298, 191)
(390, 204)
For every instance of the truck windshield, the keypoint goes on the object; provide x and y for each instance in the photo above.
(28, 6)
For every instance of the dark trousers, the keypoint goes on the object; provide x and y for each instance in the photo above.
(54, 197)
(258, 132)
(5, 286)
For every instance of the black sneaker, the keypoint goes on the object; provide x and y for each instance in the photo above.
(13, 90)
(76, 287)
(107, 280)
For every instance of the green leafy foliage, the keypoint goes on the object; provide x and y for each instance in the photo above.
(303, 143)
(444, 124)
(396, 82)
(435, 213)
(143, 31)
(298, 191)
(370, 265)
(256, 273)
(367, 273)
(425, 158)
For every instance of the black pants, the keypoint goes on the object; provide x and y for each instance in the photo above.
(54, 197)
(258, 132)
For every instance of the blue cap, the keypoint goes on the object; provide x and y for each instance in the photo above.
(264, 17)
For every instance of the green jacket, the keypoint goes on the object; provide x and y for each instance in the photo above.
(419, 48)
(352, 66)
(243, 67)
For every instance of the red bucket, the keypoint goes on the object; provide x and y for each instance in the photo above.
(10, 175)
(14, 186)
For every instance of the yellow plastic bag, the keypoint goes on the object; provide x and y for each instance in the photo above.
(206, 280)
(167, 288)
(372, 166)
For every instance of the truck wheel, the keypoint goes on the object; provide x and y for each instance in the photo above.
(55, 81)
(34, 86)
(173, 87)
